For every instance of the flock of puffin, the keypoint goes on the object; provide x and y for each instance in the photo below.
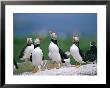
(32, 52)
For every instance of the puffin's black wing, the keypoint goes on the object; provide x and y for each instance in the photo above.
(22, 52)
(15, 63)
(91, 55)
(63, 55)
(31, 57)
(93, 49)
(82, 54)
(43, 58)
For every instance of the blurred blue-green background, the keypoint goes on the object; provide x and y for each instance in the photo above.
(64, 24)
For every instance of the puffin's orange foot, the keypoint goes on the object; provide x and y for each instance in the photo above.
(77, 66)
(35, 70)
(50, 66)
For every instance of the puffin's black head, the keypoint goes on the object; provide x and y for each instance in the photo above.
(37, 42)
(93, 47)
(53, 37)
(76, 40)
(92, 43)
(29, 41)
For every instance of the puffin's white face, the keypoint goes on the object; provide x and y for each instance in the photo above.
(29, 41)
(67, 53)
(53, 36)
(92, 43)
(37, 41)
(76, 38)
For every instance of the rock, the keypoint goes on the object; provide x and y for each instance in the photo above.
(89, 69)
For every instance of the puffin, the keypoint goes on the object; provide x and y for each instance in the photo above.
(26, 52)
(15, 64)
(55, 53)
(37, 56)
(91, 54)
(75, 51)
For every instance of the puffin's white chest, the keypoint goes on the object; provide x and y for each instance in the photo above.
(74, 50)
(37, 56)
(53, 48)
(54, 52)
(28, 51)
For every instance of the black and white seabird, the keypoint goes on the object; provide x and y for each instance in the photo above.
(27, 50)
